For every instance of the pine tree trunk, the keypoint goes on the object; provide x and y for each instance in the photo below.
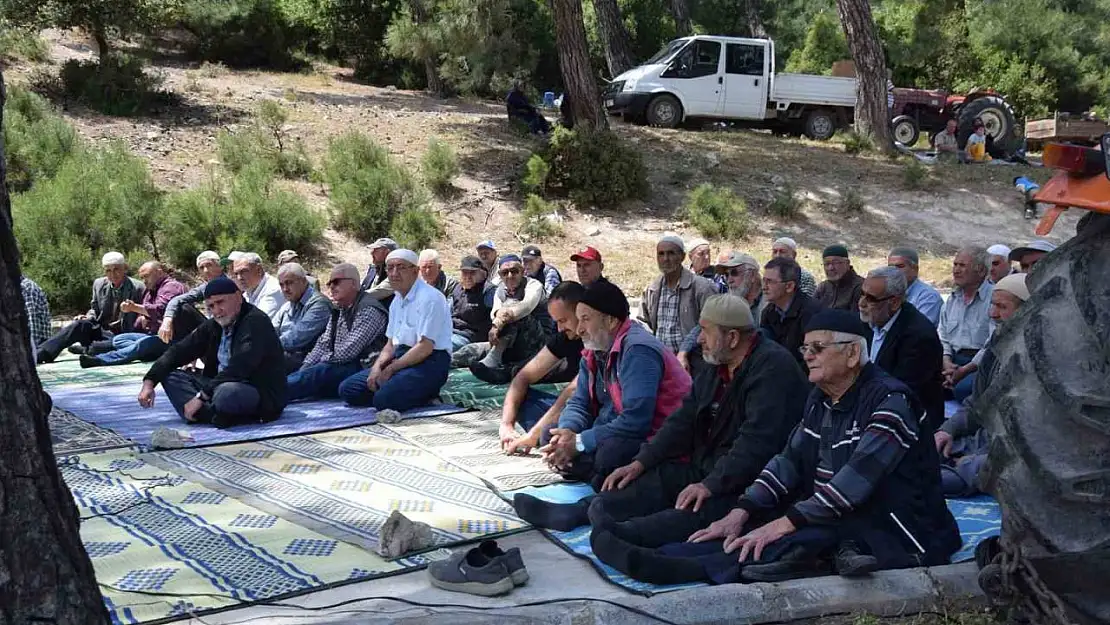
(574, 65)
(872, 113)
(431, 69)
(45, 574)
(751, 10)
(681, 12)
(618, 46)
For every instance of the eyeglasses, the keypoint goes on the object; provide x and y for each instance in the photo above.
(770, 281)
(514, 271)
(736, 272)
(871, 299)
(333, 283)
(817, 347)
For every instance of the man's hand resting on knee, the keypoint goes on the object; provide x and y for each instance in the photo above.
(726, 529)
(623, 476)
(693, 495)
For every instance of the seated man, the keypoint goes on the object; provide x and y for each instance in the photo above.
(431, 272)
(558, 361)
(588, 266)
(413, 365)
(355, 330)
(520, 109)
(301, 320)
(857, 484)
(701, 263)
(539, 270)
(964, 319)
(520, 326)
(904, 342)
(487, 253)
(672, 303)
(259, 288)
(841, 290)
(737, 416)
(923, 296)
(947, 144)
(38, 310)
(788, 309)
(1000, 262)
(628, 383)
(184, 306)
(376, 282)
(244, 376)
(785, 247)
(291, 256)
(471, 304)
(142, 344)
(960, 441)
(1028, 255)
(104, 318)
(743, 280)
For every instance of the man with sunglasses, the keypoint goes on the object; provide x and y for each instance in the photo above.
(788, 309)
(521, 324)
(741, 274)
(355, 330)
(904, 342)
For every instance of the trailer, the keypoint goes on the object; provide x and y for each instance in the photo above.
(1063, 128)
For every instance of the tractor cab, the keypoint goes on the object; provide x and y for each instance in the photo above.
(1083, 181)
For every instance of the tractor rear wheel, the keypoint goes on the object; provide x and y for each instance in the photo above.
(998, 117)
(1047, 415)
(905, 130)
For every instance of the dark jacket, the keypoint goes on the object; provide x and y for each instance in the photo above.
(733, 439)
(256, 358)
(842, 294)
(790, 331)
(104, 311)
(912, 353)
(470, 310)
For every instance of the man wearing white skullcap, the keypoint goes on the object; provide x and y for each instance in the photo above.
(412, 366)
(1000, 262)
(787, 248)
(671, 305)
(183, 307)
(104, 318)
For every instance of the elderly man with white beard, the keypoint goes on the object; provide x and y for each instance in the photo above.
(741, 273)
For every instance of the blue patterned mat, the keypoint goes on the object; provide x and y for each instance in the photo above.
(71, 435)
(979, 518)
(116, 407)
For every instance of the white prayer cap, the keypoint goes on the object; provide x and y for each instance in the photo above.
(787, 241)
(235, 255)
(113, 258)
(696, 243)
(675, 241)
(1015, 284)
(999, 250)
(408, 256)
(206, 256)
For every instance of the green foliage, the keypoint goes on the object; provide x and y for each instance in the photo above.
(914, 174)
(245, 33)
(785, 204)
(100, 199)
(851, 202)
(855, 143)
(116, 85)
(267, 143)
(18, 42)
(368, 189)
(594, 168)
(244, 211)
(416, 228)
(36, 139)
(103, 19)
(440, 166)
(535, 224)
(824, 45)
(536, 171)
(717, 213)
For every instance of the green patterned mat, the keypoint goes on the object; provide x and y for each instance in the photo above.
(463, 389)
(67, 371)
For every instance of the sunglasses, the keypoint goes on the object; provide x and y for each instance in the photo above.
(817, 347)
(515, 271)
(335, 282)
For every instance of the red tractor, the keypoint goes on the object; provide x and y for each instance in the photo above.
(921, 110)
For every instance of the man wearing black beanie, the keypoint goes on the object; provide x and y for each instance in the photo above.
(842, 289)
(628, 384)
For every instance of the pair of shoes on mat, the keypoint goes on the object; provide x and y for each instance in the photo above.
(485, 570)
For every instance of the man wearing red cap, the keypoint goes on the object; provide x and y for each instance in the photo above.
(588, 264)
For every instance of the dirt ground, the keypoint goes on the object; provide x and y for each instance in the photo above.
(959, 205)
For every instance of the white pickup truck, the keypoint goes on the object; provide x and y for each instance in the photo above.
(730, 78)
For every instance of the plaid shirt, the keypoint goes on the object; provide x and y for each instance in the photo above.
(668, 330)
(38, 310)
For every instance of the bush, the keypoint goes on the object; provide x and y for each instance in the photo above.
(785, 204)
(594, 168)
(536, 171)
(717, 212)
(243, 33)
(64, 269)
(368, 188)
(118, 86)
(851, 202)
(855, 143)
(535, 222)
(416, 228)
(265, 143)
(37, 139)
(22, 43)
(440, 166)
(246, 211)
(914, 175)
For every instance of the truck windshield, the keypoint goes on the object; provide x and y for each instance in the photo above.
(667, 52)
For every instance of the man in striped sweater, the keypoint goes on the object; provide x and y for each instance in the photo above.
(856, 486)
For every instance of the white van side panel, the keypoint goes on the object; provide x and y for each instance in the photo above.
(819, 90)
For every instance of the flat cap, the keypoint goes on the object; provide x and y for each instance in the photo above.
(728, 311)
(735, 259)
(837, 321)
(222, 285)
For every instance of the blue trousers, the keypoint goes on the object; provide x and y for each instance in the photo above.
(535, 406)
(964, 387)
(319, 380)
(132, 347)
(458, 341)
(231, 402)
(409, 388)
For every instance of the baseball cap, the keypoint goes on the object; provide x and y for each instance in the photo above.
(487, 243)
(531, 251)
(471, 262)
(385, 242)
(286, 256)
(735, 259)
(1034, 246)
(586, 253)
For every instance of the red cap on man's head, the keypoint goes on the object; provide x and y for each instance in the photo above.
(586, 253)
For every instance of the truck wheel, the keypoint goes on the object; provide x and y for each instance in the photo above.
(664, 111)
(999, 118)
(820, 125)
(1047, 415)
(905, 130)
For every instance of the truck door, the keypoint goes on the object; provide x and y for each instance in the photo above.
(745, 92)
(695, 75)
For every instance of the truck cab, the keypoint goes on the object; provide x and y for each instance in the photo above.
(728, 78)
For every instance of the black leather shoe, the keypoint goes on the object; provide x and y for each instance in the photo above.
(500, 375)
(794, 564)
(76, 349)
(88, 361)
(851, 563)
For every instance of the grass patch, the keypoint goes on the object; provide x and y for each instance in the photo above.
(716, 212)
(854, 143)
(915, 175)
(851, 202)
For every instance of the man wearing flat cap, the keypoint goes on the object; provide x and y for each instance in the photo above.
(737, 416)
(244, 365)
(742, 279)
(539, 270)
(672, 303)
(471, 304)
(840, 291)
(376, 282)
(413, 365)
(628, 383)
